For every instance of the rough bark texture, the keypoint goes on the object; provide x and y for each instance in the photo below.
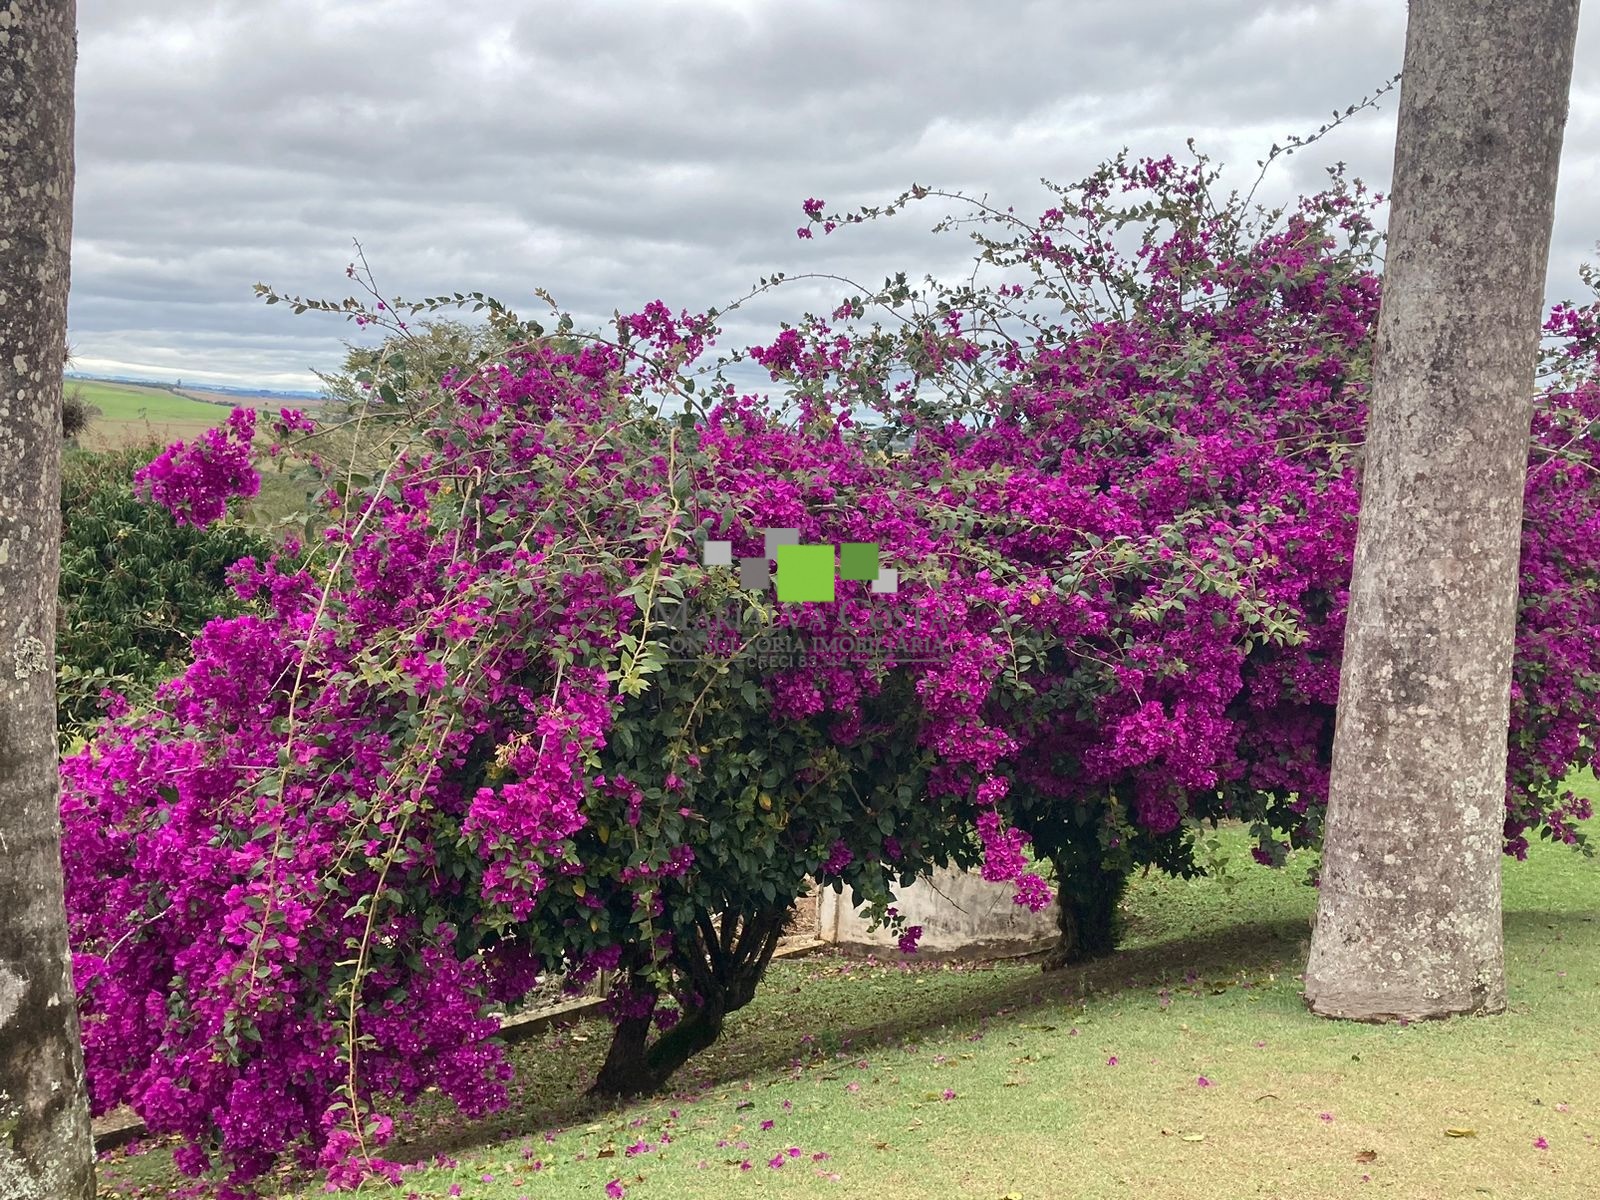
(724, 963)
(1086, 905)
(45, 1150)
(1408, 922)
(635, 1067)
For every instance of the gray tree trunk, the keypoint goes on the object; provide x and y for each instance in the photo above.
(45, 1147)
(1408, 920)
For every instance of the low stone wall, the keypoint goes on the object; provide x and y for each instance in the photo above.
(961, 914)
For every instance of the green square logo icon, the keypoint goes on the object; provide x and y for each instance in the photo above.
(804, 573)
(858, 561)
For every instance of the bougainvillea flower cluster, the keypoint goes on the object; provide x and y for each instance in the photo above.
(457, 744)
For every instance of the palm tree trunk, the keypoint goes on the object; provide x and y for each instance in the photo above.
(1408, 922)
(45, 1147)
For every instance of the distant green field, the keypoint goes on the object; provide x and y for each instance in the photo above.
(132, 416)
(119, 403)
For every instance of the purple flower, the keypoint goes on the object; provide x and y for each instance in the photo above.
(194, 481)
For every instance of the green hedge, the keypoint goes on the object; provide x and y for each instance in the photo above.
(135, 586)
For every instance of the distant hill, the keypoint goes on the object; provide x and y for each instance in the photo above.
(132, 402)
(223, 393)
(154, 414)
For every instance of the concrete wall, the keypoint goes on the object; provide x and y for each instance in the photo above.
(961, 914)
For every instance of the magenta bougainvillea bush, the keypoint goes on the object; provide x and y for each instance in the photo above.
(1200, 411)
(503, 712)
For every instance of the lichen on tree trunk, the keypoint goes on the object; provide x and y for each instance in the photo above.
(45, 1147)
(1409, 921)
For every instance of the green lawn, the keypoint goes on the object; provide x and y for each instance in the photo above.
(1184, 1067)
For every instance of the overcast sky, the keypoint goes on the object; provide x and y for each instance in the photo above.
(616, 153)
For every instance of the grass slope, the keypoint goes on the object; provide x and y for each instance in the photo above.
(121, 403)
(1185, 1067)
(140, 416)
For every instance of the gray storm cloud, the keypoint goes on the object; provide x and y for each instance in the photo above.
(616, 153)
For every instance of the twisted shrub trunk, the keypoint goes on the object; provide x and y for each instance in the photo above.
(1088, 903)
(723, 961)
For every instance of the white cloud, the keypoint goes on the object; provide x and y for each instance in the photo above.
(619, 152)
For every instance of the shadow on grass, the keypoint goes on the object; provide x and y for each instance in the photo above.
(1534, 923)
(820, 1012)
(836, 1009)
(829, 997)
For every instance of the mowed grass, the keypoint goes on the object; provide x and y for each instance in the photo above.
(1184, 1067)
